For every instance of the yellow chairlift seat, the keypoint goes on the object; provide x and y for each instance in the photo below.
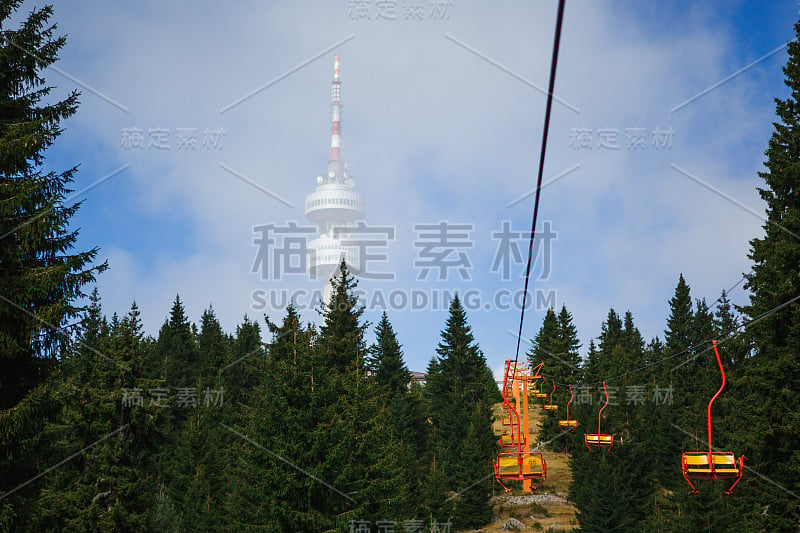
(510, 439)
(551, 408)
(725, 464)
(598, 439)
(567, 425)
(520, 466)
(722, 464)
(538, 394)
(535, 389)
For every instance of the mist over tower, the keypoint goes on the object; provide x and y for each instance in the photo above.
(334, 205)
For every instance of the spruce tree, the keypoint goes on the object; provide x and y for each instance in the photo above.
(239, 374)
(393, 383)
(177, 348)
(319, 448)
(472, 508)
(570, 346)
(546, 341)
(772, 407)
(213, 348)
(354, 420)
(599, 363)
(678, 335)
(459, 384)
(268, 487)
(109, 486)
(40, 274)
(726, 324)
(556, 345)
(386, 359)
(622, 475)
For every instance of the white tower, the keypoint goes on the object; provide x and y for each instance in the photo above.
(333, 205)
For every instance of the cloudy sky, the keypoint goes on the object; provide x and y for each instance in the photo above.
(664, 111)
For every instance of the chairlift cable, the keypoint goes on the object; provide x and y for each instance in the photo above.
(548, 108)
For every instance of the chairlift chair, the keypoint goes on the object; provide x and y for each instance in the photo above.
(568, 425)
(551, 407)
(712, 465)
(520, 466)
(537, 392)
(599, 440)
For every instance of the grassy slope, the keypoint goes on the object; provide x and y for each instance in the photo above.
(547, 507)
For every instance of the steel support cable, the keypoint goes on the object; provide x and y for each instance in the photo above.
(548, 108)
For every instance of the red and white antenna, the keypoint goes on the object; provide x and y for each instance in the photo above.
(333, 204)
(336, 93)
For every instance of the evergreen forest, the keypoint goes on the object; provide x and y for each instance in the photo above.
(284, 425)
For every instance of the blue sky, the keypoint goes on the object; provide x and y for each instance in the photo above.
(437, 126)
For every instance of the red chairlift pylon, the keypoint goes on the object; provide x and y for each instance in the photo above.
(521, 464)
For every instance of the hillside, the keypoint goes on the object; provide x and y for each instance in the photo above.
(548, 506)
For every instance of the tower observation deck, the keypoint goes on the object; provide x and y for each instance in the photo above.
(333, 206)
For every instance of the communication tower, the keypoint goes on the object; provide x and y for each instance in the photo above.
(333, 206)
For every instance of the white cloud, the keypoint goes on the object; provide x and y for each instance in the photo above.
(432, 132)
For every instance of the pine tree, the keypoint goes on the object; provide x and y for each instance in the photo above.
(772, 407)
(177, 348)
(239, 375)
(40, 274)
(386, 360)
(269, 489)
(109, 486)
(678, 335)
(556, 345)
(460, 383)
(393, 382)
(622, 476)
(472, 507)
